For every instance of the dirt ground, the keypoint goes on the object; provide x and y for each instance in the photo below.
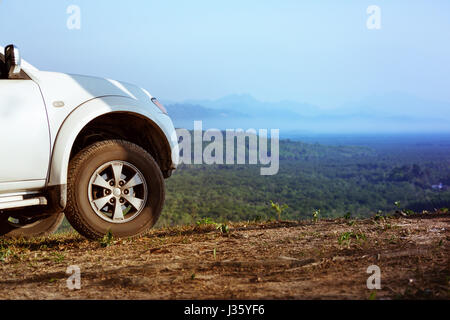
(327, 259)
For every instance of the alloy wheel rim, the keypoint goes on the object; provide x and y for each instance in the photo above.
(117, 192)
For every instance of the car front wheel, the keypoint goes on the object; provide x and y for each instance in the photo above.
(114, 186)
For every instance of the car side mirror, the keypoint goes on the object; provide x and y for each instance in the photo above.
(13, 62)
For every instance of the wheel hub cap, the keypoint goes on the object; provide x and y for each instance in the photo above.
(117, 191)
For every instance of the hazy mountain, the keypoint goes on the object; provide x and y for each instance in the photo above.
(195, 111)
(398, 104)
(246, 103)
(393, 112)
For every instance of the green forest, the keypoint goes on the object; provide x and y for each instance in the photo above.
(335, 179)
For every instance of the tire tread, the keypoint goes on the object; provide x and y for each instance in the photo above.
(72, 210)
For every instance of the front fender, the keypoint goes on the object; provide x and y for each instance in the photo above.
(87, 112)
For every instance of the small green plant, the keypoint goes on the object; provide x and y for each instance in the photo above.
(222, 227)
(379, 216)
(373, 295)
(278, 209)
(5, 253)
(58, 257)
(205, 221)
(258, 218)
(193, 276)
(387, 226)
(346, 237)
(107, 239)
(347, 216)
(316, 214)
(444, 210)
(403, 212)
(360, 236)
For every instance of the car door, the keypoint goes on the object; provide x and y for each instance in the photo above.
(24, 136)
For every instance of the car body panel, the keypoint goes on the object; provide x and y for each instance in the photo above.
(6, 188)
(67, 104)
(65, 92)
(24, 132)
(92, 109)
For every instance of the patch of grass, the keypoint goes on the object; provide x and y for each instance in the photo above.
(5, 253)
(346, 237)
(405, 212)
(351, 223)
(58, 257)
(223, 227)
(205, 221)
(107, 240)
(379, 216)
(347, 216)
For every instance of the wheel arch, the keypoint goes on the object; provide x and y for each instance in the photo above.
(99, 114)
(127, 126)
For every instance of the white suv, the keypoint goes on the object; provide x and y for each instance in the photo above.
(96, 149)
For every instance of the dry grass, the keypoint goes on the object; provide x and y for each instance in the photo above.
(273, 260)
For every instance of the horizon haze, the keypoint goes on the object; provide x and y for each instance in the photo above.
(304, 65)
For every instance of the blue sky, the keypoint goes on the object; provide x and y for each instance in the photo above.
(319, 52)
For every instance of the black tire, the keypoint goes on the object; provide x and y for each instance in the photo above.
(79, 211)
(29, 228)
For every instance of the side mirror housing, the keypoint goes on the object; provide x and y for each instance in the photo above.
(13, 62)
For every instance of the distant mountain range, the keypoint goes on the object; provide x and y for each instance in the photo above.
(393, 112)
